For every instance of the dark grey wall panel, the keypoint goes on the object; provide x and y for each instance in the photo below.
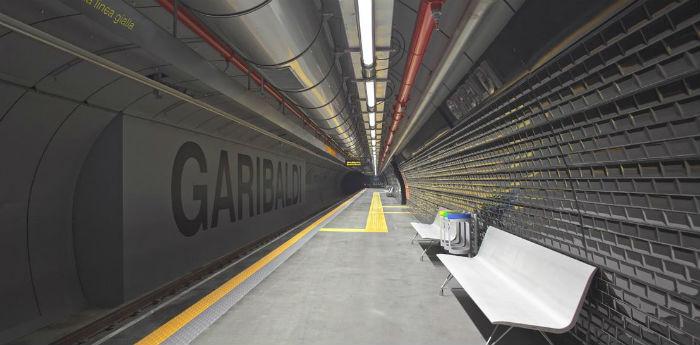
(131, 243)
(43, 141)
(98, 223)
(155, 251)
(9, 94)
(119, 93)
(30, 67)
(78, 81)
(596, 155)
(50, 211)
(36, 117)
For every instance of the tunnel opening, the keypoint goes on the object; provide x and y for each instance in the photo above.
(353, 181)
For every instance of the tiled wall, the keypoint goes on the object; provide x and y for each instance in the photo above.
(596, 155)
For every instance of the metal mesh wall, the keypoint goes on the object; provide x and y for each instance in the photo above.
(596, 155)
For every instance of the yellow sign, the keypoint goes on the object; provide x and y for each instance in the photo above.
(353, 163)
(116, 17)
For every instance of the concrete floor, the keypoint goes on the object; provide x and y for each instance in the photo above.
(355, 288)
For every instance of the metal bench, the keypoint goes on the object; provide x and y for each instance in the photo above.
(430, 232)
(517, 283)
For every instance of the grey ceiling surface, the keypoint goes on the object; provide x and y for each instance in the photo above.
(405, 13)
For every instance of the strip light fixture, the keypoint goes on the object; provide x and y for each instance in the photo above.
(369, 86)
(364, 9)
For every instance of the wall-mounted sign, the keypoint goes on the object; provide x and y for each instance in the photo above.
(353, 163)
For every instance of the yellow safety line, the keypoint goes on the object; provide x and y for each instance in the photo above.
(342, 230)
(375, 218)
(166, 330)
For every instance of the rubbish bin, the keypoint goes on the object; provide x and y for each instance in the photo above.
(455, 232)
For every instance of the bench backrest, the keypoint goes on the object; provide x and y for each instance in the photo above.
(546, 275)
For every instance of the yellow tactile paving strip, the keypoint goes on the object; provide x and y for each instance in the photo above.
(375, 219)
(166, 330)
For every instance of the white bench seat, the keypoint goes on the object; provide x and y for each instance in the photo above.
(508, 304)
(518, 283)
(427, 231)
(430, 232)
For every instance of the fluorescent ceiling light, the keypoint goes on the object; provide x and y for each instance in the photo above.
(364, 8)
(372, 119)
(369, 85)
(373, 133)
(374, 142)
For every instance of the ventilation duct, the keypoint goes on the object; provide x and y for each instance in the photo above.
(285, 40)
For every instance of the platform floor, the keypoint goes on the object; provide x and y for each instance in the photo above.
(357, 280)
(350, 288)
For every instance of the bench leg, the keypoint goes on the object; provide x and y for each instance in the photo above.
(499, 338)
(414, 238)
(546, 338)
(491, 335)
(430, 245)
(447, 280)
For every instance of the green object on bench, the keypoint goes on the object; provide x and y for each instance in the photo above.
(444, 213)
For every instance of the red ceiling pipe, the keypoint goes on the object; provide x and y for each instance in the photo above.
(227, 53)
(425, 25)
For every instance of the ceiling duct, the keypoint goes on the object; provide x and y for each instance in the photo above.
(279, 35)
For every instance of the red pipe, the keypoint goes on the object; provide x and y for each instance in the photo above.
(227, 53)
(425, 24)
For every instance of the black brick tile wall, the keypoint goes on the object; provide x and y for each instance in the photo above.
(596, 155)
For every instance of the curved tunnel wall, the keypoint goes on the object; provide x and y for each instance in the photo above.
(71, 173)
